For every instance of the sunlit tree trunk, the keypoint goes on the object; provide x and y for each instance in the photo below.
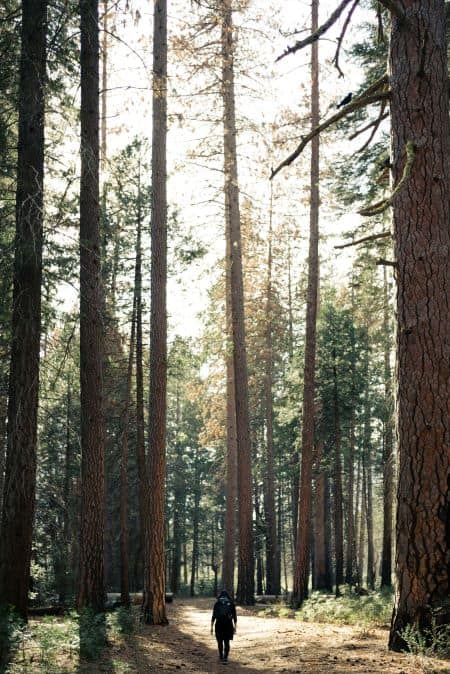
(420, 125)
(245, 589)
(154, 582)
(302, 553)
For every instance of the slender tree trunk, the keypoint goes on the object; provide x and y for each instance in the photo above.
(338, 516)
(388, 451)
(124, 562)
(195, 527)
(20, 470)
(3, 416)
(350, 537)
(63, 584)
(358, 578)
(419, 72)
(302, 553)
(245, 590)
(91, 578)
(229, 545)
(272, 570)
(154, 588)
(362, 518)
(141, 460)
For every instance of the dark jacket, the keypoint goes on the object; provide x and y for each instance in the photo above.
(224, 624)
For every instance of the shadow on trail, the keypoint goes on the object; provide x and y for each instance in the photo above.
(190, 654)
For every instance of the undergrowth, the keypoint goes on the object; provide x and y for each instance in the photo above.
(373, 610)
(58, 645)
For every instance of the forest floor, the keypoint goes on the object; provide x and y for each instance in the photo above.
(261, 645)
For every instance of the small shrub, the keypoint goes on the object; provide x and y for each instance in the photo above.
(431, 642)
(11, 634)
(373, 610)
(92, 634)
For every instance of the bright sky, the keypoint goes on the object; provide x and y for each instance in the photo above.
(194, 182)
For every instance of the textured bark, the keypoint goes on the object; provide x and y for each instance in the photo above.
(388, 451)
(229, 544)
(91, 576)
(350, 553)
(20, 470)
(245, 590)
(302, 555)
(272, 556)
(154, 582)
(420, 115)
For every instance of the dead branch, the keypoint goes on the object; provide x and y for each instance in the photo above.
(372, 237)
(395, 8)
(317, 33)
(378, 121)
(383, 205)
(358, 132)
(386, 263)
(341, 37)
(356, 104)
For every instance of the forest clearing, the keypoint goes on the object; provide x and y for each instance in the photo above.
(224, 335)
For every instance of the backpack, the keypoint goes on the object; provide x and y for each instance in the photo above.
(224, 609)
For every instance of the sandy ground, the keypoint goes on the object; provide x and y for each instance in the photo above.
(261, 645)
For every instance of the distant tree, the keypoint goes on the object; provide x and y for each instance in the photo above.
(20, 471)
(302, 553)
(245, 589)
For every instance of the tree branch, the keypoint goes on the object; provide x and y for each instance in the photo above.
(372, 237)
(383, 205)
(341, 37)
(378, 121)
(395, 8)
(317, 33)
(386, 263)
(356, 104)
(358, 132)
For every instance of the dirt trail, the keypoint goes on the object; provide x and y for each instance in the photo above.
(261, 645)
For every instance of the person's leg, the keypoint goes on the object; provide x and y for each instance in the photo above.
(220, 647)
(227, 649)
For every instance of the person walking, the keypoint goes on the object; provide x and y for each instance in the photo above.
(225, 620)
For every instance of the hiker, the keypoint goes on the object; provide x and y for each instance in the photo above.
(224, 615)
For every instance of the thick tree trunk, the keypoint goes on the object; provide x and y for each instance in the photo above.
(154, 583)
(302, 554)
(245, 590)
(91, 579)
(20, 470)
(388, 451)
(420, 124)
